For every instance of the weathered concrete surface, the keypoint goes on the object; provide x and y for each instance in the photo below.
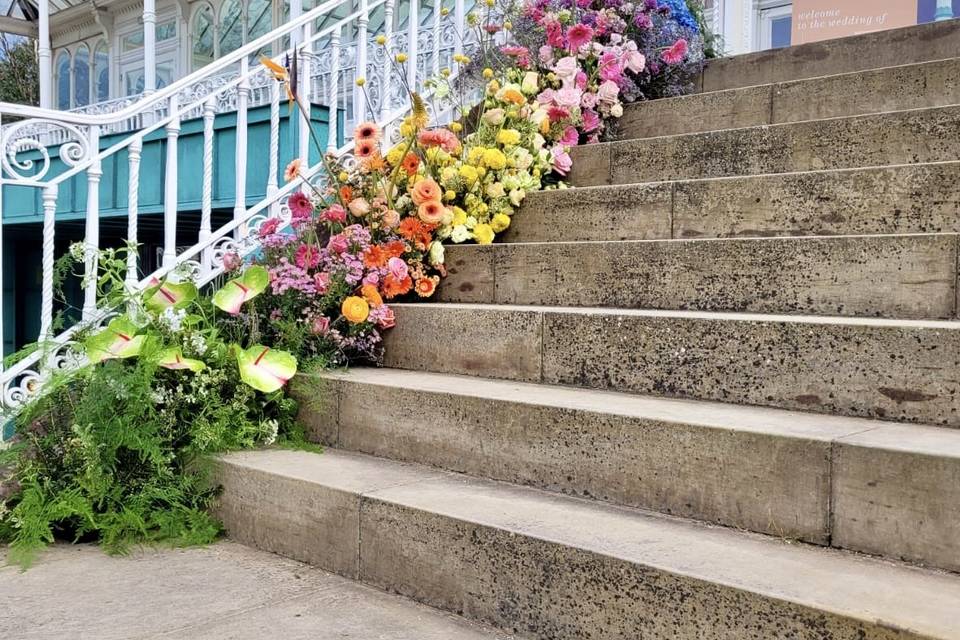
(302, 512)
(896, 492)
(745, 467)
(627, 212)
(217, 592)
(902, 199)
(893, 369)
(884, 276)
(910, 86)
(935, 41)
(551, 566)
(904, 137)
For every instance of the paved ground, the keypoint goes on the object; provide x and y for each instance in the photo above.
(226, 591)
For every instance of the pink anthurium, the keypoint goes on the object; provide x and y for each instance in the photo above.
(162, 294)
(173, 359)
(118, 340)
(232, 295)
(265, 369)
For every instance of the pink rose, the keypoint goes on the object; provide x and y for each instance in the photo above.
(566, 69)
(335, 213)
(320, 325)
(390, 219)
(372, 278)
(546, 55)
(569, 98)
(397, 268)
(607, 93)
(321, 281)
(562, 162)
(588, 100)
(231, 261)
(359, 207)
(610, 67)
(338, 243)
(387, 319)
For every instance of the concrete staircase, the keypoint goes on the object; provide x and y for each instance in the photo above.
(714, 393)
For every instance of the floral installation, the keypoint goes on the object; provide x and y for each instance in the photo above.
(111, 451)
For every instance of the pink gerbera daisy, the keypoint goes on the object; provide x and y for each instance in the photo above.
(676, 53)
(300, 205)
(578, 35)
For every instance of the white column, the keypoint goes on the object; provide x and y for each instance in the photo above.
(273, 184)
(359, 95)
(206, 198)
(133, 206)
(45, 55)
(296, 10)
(306, 90)
(149, 46)
(460, 23)
(413, 31)
(333, 102)
(387, 70)
(240, 157)
(437, 7)
(170, 181)
(91, 241)
(49, 198)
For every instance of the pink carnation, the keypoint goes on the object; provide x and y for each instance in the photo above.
(610, 67)
(443, 138)
(591, 121)
(570, 137)
(676, 53)
(320, 325)
(321, 281)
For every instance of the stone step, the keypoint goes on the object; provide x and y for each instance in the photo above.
(923, 198)
(895, 276)
(858, 484)
(911, 86)
(830, 57)
(907, 371)
(893, 138)
(548, 566)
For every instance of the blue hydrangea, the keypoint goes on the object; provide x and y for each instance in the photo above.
(680, 12)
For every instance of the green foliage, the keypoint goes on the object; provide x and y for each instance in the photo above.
(19, 70)
(712, 42)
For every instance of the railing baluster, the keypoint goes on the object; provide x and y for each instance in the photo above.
(49, 198)
(133, 206)
(437, 8)
(170, 204)
(359, 94)
(240, 156)
(388, 66)
(306, 95)
(334, 90)
(206, 197)
(272, 179)
(91, 239)
(461, 26)
(413, 29)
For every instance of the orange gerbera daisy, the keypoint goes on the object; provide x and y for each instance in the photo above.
(375, 257)
(416, 232)
(411, 163)
(426, 286)
(374, 162)
(346, 193)
(393, 287)
(394, 249)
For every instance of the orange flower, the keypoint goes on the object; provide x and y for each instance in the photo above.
(374, 162)
(394, 249)
(365, 148)
(346, 193)
(375, 257)
(410, 163)
(292, 172)
(512, 95)
(371, 295)
(393, 287)
(426, 286)
(431, 212)
(425, 191)
(355, 309)
(416, 232)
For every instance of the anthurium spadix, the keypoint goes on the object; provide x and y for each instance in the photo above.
(232, 295)
(265, 369)
(163, 294)
(173, 359)
(118, 340)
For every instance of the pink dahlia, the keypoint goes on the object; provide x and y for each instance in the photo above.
(676, 53)
(578, 35)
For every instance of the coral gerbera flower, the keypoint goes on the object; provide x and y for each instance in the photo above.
(676, 53)
(300, 205)
(292, 172)
(411, 163)
(367, 131)
(578, 35)
(393, 287)
(365, 148)
(427, 286)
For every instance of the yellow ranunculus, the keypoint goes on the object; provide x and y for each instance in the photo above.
(508, 137)
(459, 216)
(355, 309)
(494, 159)
(500, 222)
(469, 174)
(482, 233)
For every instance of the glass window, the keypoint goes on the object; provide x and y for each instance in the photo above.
(101, 72)
(260, 20)
(166, 30)
(132, 41)
(81, 76)
(63, 80)
(780, 32)
(231, 26)
(202, 37)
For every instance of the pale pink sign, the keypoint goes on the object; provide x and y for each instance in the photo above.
(815, 20)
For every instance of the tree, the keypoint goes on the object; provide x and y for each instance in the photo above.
(19, 70)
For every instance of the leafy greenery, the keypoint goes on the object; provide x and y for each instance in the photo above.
(19, 72)
(712, 41)
(116, 451)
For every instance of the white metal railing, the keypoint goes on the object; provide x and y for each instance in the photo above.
(26, 158)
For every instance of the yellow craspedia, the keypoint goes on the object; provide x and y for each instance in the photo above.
(490, 3)
(488, 73)
(344, 176)
(361, 81)
(445, 72)
(355, 309)
(508, 25)
(407, 129)
(445, 11)
(500, 222)
(494, 159)
(482, 233)
(456, 127)
(401, 58)
(508, 136)
(381, 40)
(449, 194)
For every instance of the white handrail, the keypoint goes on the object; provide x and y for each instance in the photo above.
(148, 100)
